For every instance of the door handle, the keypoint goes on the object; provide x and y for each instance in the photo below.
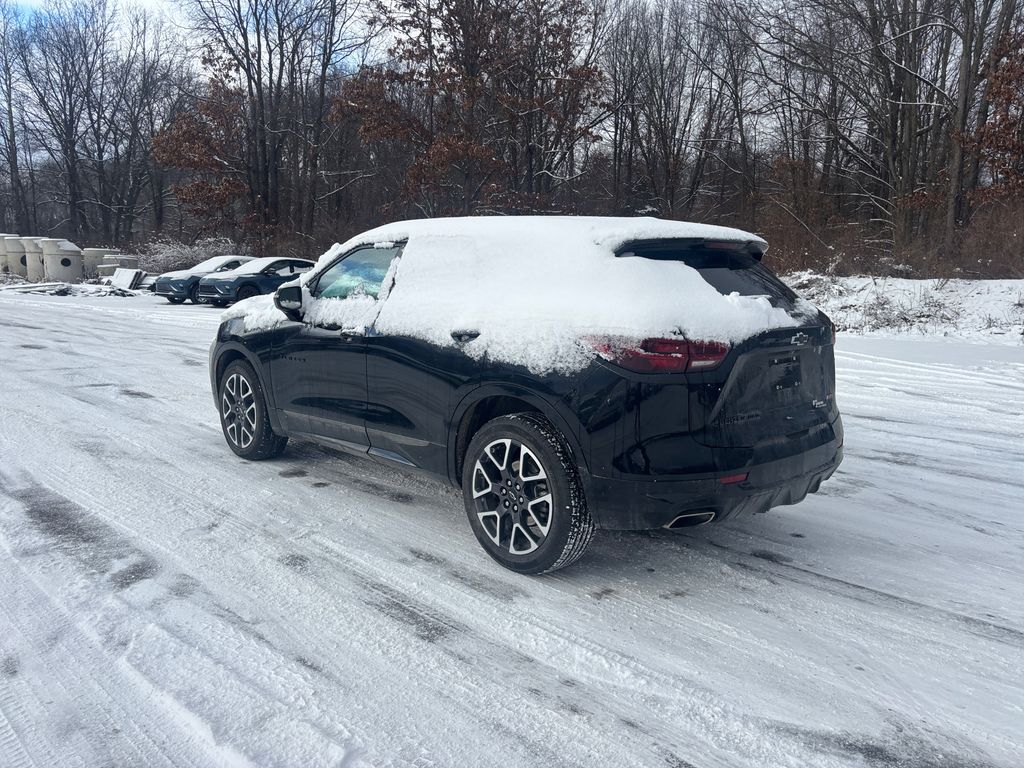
(463, 336)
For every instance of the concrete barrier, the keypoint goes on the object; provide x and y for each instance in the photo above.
(62, 260)
(92, 258)
(33, 259)
(120, 260)
(16, 261)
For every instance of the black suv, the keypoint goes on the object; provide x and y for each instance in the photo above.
(369, 354)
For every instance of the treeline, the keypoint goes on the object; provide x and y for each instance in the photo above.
(857, 135)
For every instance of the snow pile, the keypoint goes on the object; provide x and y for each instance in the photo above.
(257, 313)
(9, 278)
(533, 287)
(67, 289)
(990, 310)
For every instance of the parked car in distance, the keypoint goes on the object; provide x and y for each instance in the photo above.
(567, 373)
(184, 283)
(252, 278)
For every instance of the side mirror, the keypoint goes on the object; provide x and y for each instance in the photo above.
(288, 299)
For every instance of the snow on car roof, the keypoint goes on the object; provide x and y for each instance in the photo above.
(547, 231)
(536, 286)
(251, 267)
(209, 265)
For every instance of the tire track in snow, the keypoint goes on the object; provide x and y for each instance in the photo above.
(84, 674)
(239, 529)
(255, 535)
(390, 596)
(11, 749)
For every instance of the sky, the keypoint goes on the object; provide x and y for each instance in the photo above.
(170, 7)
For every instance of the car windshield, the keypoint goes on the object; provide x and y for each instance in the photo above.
(256, 265)
(728, 267)
(217, 264)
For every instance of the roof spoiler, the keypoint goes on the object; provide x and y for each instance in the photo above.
(753, 248)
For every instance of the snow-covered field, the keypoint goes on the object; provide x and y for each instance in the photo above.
(164, 603)
(990, 311)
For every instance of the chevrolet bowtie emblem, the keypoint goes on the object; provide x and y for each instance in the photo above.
(800, 338)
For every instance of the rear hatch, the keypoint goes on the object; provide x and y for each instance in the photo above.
(778, 384)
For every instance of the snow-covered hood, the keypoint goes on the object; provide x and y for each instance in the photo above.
(216, 277)
(180, 274)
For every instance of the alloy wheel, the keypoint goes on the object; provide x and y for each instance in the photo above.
(238, 409)
(512, 496)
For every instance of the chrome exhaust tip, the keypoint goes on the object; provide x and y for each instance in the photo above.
(692, 519)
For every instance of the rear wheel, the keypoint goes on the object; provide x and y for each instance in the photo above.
(175, 300)
(193, 294)
(523, 495)
(243, 415)
(247, 292)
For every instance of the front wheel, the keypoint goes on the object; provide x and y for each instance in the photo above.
(175, 300)
(243, 415)
(247, 292)
(523, 495)
(193, 295)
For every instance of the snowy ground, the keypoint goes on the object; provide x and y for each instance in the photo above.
(164, 603)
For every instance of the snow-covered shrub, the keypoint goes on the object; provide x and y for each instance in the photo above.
(160, 256)
(948, 307)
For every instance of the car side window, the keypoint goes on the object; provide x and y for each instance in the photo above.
(300, 267)
(227, 266)
(282, 268)
(361, 273)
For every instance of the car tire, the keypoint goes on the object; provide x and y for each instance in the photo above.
(247, 292)
(243, 414)
(218, 302)
(193, 295)
(175, 300)
(523, 495)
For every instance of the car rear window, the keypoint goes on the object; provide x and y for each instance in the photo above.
(728, 267)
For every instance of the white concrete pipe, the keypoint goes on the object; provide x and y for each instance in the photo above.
(4, 266)
(33, 259)
(92, 258)
(16, 261)
(62, 261)
(41, 242)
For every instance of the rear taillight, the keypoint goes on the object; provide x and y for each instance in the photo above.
(662, 355)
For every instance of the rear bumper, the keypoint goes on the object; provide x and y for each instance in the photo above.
(639, 505)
